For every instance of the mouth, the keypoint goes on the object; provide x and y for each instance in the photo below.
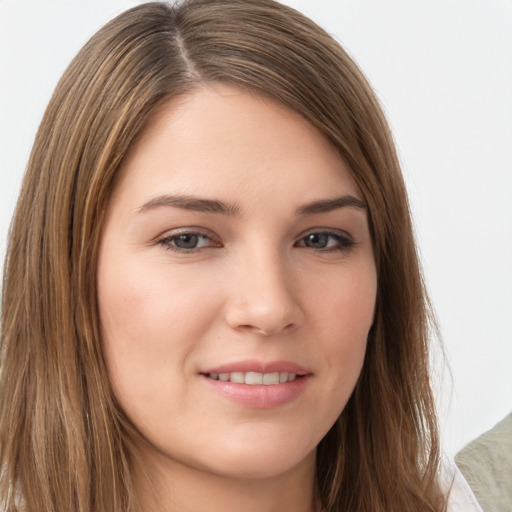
(258, 384)
(254, 378)
(257, 373)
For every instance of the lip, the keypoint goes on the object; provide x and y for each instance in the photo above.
(259, 396)
(260, 367)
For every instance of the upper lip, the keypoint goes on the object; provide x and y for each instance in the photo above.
(259, 367)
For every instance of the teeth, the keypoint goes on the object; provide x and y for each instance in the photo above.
(254, 378)
(237, 377)
(270, 378)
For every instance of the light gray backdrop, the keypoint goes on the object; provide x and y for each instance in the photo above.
(443, 72)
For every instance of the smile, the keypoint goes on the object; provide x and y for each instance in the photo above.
(258, 384)
(254, 378)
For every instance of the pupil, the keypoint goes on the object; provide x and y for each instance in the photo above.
(317, 240)
(186, 241)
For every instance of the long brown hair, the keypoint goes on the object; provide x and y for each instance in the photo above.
(65, 445)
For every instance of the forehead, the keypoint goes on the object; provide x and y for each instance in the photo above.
(222, 141)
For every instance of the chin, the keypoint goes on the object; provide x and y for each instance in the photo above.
(259, 460)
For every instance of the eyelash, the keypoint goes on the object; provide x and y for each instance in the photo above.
(343, 242)
(168, 242)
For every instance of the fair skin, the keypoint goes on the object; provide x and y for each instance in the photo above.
(236, 243)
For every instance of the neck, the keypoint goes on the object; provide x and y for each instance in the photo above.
(165, 486)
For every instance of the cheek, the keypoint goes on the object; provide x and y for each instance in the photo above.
(151, 322)
(346, 305)
(129, 325)
(143, 302)
(345, 314)
(150, 328)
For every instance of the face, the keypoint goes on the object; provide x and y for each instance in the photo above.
(236, 285)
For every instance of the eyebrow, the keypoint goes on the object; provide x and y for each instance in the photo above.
(198, 204)
(328, 205)
(191, 203)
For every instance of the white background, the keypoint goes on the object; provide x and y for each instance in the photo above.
(443, 72)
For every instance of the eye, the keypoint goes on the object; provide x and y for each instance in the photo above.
(187, 242)
(326, 241)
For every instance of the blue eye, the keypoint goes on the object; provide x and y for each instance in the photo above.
(317, 240)
(187, 242)
(325, 241)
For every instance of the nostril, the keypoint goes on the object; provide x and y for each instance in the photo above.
(265, 331)
(264, 303)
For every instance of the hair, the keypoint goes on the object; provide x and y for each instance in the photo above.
(65, 443)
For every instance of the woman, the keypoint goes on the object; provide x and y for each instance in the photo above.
(212, 297)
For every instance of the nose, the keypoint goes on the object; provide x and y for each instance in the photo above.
(264, 297)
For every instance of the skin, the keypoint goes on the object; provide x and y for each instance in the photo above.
(256, 286)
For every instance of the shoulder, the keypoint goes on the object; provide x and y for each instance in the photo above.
(486, 464)
(460, 496)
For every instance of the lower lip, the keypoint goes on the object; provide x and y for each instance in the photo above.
(260, 396)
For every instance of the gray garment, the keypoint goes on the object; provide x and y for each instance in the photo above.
(460, 497)
(486, 464)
